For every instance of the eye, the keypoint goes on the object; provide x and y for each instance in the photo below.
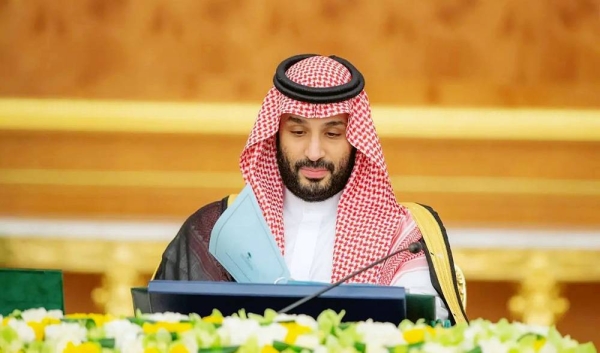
(297, 132)
(333, 134)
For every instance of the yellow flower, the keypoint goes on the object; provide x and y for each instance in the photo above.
(5, 321)
(178, 348)
(294, 330)
(99, 319)
(417, 335)
(539, 343)
(268, 349)
(213, 319)
(86, 347)
(39, 327)
(150, 328)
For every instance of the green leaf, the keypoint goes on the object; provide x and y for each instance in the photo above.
(105, 342)
(586, 348)
(139, 321)
(415, 345)
(231, 349)
(8, 334)
(347, 337)
(475, 350)
(164, 336)
(282, 346)
(88, 323)
(270, 315)
(250, 346)
(37, 347)
(242, 314)
(328, 320)
(255, 317)
(361, 347)
(406, 325)
(345, 325)
(267, 319)
(96, 333)
(398, 349)
(16, 314)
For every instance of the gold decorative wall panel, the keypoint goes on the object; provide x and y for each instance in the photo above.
(70, 158)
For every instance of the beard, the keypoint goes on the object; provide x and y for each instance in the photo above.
(317, 189)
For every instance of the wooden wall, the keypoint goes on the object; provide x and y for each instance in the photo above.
(471, 183)
(453, 52)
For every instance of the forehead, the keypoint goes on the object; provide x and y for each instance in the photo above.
(298, 119)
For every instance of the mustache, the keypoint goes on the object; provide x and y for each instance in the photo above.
(314, 164)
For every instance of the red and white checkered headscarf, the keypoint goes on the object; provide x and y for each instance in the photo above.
(370, 223)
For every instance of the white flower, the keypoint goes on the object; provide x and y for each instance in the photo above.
(303, 320)
(132, 344)
(431, 347)
(190, 343)
(493, 345)
(207, 339)
(38, 315)
(536, 329)
(325, 349)
(166, 317)
(267, 334)
(310, 341)
(236, 331)
(548, 348)
(285, 317)
(383, 334)
(471, 334)
(24, 331)
(61, 334)
(121, 331)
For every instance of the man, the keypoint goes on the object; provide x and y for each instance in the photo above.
(314, 162)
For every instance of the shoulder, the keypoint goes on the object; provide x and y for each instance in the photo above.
(421, 213)
(196, 227)
(187, 255)
(206, 216)
(428, 223)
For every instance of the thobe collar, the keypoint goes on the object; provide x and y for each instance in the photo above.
(296, 208)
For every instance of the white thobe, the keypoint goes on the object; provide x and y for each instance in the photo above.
(309, 229)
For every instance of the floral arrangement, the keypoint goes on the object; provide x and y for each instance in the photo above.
(42, 331)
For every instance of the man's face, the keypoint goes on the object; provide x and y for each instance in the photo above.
(314, 158)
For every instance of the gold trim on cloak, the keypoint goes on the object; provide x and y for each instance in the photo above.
(440, 259)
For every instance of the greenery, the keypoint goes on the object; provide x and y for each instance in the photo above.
(42, 331)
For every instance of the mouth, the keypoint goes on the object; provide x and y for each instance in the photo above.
(314, 173)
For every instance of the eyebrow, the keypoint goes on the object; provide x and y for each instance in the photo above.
(335, 123)
(293, 119)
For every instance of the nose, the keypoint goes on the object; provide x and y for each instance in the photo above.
(314, 150)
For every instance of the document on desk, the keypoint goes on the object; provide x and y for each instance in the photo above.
(243, 243)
